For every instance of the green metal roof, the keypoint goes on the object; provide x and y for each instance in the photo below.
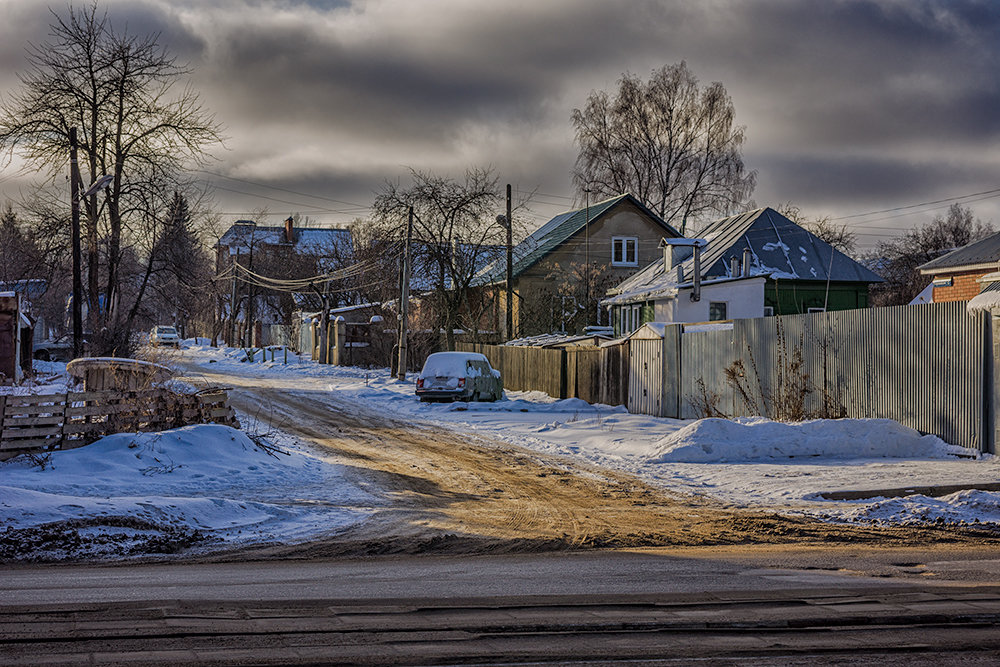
(557, 231)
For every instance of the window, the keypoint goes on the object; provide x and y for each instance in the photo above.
(716, 310)
(816, 310)
(768, 311)
(624, 251)
(629, 318)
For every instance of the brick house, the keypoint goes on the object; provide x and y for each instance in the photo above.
(956, 275)
(282, 252)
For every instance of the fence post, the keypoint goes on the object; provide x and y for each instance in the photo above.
(992, 372)
(563, 358)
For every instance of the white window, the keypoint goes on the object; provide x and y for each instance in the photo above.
(816, 310)
(624, 251)
(629, 318)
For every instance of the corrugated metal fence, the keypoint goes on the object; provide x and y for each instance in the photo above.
(928, 367)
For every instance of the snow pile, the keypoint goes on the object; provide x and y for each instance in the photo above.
(969, 506)
(726, 441)
(199, 484)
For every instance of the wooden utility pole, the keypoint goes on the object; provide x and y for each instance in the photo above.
(510, 271)
(74, 177)
(405, 299)
(232, 301)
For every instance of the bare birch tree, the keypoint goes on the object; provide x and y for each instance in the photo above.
(669, 142)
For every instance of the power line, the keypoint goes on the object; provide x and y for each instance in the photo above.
(274, 187)
(992, 193)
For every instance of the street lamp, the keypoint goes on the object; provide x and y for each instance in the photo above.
(99, 184)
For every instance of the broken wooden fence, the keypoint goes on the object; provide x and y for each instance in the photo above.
(63, 421)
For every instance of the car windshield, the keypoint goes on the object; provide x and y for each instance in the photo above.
(448, 364)
(166, 330)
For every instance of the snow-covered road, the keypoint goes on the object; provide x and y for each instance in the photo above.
(218, 485)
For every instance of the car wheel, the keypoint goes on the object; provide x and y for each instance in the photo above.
(42, 355)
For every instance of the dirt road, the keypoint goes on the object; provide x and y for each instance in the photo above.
(451, 492)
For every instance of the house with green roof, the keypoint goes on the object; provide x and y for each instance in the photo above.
(552, 286)
(752, 264)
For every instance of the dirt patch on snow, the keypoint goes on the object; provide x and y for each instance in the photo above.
(455, 493)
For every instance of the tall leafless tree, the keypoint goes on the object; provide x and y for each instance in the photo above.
(669, 142)
(455, 234)
(135, 124)
(896, 260)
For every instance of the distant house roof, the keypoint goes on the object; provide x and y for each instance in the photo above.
(557, 231)
(246, 234)
(984, 253)
(779, 249)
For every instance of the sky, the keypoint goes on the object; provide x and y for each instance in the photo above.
(851, 107)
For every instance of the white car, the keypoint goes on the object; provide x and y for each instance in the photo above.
(164, 335)
(466, 376)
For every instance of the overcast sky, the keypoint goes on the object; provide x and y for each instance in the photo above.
(850, 107)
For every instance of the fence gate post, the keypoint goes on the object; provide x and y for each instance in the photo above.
(991, 393)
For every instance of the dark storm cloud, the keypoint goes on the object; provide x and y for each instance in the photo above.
(847, 103)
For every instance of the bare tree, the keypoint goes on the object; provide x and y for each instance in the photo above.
(670, 143)
(120, 91)
(455, 234)
(896, 260)
(839, 236)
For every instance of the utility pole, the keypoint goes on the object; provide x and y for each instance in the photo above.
(586, 307)
(510, 270)
(74, 177)
(232, 302)
(405, 299)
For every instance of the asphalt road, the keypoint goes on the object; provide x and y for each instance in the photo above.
(759, 606)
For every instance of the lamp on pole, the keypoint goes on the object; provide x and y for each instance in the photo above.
(75, 180)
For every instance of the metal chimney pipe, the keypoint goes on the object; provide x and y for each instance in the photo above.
(746, 262)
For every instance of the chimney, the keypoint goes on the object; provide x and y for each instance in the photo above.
(734, 266)
(746, 262)
(289, 235)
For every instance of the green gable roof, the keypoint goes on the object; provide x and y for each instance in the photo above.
(557, 231)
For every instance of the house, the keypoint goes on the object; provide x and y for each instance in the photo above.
(552, 288)
(285, 253)
(750, 265)
(957, 275)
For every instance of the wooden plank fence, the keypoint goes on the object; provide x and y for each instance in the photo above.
(63, 421)
(597, 375)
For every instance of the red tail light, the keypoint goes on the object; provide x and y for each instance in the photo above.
(461, 382)
(420, 383)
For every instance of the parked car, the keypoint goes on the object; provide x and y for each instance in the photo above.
(466, 376)
(164, 335)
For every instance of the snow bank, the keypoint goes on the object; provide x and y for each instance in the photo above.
(207, 478)
(724, 441)
(970, 506)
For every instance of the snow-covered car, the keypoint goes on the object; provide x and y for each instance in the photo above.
(164, 335)
(466, 376)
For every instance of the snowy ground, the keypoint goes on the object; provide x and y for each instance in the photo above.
(211, 485)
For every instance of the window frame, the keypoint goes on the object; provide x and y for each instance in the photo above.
(624, 242)
(725, 311)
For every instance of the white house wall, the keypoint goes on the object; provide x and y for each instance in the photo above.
(743, 299)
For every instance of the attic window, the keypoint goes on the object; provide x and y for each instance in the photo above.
(624, 251)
